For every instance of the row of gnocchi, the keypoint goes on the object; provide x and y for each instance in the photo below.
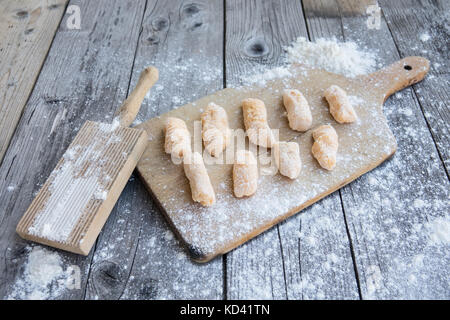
(216, 136)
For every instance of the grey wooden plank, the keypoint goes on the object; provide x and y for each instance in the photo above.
(391, 211)
(184, 40)
(279, 263)
(85, 77)
(410, 22)
(26, 33)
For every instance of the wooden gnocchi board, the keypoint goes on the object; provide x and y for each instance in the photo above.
(363, 145)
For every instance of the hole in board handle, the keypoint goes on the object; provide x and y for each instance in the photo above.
(407, 67)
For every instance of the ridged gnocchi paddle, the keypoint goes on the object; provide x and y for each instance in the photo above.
(287, 158)
(325, 146)
(298, 111)
(201, 188)
(74, 203)
(340, 107)
(245, 174)
(215, 131)
(255, 122)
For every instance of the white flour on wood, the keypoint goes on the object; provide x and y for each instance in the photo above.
(425, 37)
(72, 189)
(43, 276)
(344, 58)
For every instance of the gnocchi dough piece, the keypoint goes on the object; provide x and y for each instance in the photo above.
(340, 106)
(325, 146)
(298, 111)
(215, 130)
(287, 158)
(245, 174)
(178, 138)
(201, 188)
(255, 122)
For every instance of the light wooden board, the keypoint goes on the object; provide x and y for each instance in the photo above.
(27, 29)
(362, 146)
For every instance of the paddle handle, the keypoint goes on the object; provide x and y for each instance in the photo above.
(130, 107)
(398, 75)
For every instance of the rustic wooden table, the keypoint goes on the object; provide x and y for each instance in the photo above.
(372, 239)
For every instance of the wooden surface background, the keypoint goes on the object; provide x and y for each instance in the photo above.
(361, 242)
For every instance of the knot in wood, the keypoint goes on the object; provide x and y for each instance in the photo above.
(160, 24)
(53, 6)
(256, 48)
(108, 279)
(191, 9)
(153, 39)
(22, 14)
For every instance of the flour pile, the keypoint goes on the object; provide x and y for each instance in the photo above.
(344, 58)
(329, 54)
(43, 272)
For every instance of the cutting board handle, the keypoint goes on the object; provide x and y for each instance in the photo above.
(130, 107)
(398, 75)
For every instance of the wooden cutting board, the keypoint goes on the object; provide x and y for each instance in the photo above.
(363, 145)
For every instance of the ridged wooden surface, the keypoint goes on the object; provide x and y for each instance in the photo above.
(91, 164)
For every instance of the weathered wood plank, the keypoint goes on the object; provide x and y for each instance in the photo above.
(387, 210)
(27, 29)
(184, 40)
(279, 263)
(421, 28)
(85, 76)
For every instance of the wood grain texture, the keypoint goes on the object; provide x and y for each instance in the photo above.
(184, 40)
(385, 208)
(85, 77)
(256, 32)
(27, 29)
(410, 22)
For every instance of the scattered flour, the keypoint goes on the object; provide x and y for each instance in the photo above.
(355, 100)
(338, 57)
(419, 203)
(101, 195)
(425, 37)
(374, 281)
(41, 277)
(60, 213)
(271, 74)
(439, 230)
(110, 127)
(50, 223)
